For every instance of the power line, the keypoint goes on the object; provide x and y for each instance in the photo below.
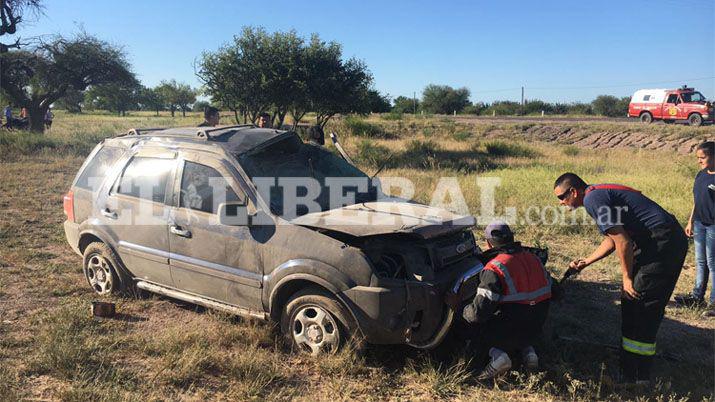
(594, 86)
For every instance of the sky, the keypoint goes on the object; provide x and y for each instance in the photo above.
(559, 50)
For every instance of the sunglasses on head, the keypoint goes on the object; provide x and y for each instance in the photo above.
(565, 194)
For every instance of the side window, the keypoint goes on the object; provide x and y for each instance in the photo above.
(93, 174)
(146, 178)
(646, 98)
(203, 188)
(672, 98)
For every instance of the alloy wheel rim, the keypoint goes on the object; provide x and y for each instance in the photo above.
(99, 274)
(315, 331)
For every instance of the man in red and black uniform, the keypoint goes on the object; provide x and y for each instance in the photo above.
(651, 246)
(511, 304)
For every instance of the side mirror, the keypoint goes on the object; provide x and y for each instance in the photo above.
(233, 214)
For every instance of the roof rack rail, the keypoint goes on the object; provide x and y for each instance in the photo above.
(140, 131)
(205, 133)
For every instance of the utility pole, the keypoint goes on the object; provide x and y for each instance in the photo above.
(414, 102)
(522, 99)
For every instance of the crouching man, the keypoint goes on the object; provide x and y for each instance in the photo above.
(511, 304)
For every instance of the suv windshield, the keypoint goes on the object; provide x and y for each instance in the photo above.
(291, 160)
(692, 97)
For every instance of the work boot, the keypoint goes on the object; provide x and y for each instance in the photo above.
(530, 358)
(689, 300)
(500, 363)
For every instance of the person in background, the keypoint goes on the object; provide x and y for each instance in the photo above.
(8, 117)
(23, 113)
(264, 120)
(49, 116)
(701, 227)
(316, 135)
(651, 247)
(211, 117)
(511, 305)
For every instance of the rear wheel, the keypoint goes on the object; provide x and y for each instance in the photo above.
(314, 322)
(100, 270)
(646, 117)
(695, 119)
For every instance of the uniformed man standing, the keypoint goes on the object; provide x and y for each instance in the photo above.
(651, 247)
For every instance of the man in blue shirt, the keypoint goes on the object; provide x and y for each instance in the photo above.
(651, 246)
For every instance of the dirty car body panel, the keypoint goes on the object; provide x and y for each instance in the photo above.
(388, 262)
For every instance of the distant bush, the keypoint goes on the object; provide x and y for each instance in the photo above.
(476, 108)
(571, 150)
(610, 106)
(372, 154)
(503, 108)
(403, 104)
(391, 116)
(361, 128)
(501, 148)
(461, 135)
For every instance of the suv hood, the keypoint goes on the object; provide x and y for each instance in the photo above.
(377, 218)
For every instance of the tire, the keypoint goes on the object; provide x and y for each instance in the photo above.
(695, 120)
(99, 265)
(314, 322)
(646, 117)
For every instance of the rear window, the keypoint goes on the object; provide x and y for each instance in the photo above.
(146, 178)
(93, 175)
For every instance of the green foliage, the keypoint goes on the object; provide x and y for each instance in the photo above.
(503, 149)
(476, 108)
(377, 102)
(72, 101)
(176, 96)
(461, 135)
(362, 128)
(281, 72)
(571, 150)
(391, 116)
(503, 108)
(444, 99)
(37, 77)
(372, 154)
(403, 104)
(610, 106)
(199, 106)
(115, 97)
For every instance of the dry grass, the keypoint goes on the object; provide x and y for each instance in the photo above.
(163, 350)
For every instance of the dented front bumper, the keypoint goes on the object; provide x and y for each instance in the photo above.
(395, 311)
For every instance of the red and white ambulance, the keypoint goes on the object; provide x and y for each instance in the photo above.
(670, 105)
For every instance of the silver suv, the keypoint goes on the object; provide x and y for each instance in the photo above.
(218, 217)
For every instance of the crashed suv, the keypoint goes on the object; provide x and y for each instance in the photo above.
(245, 220)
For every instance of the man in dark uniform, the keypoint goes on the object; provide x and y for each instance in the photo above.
(512, 301)
(651, 246)
(211, 117)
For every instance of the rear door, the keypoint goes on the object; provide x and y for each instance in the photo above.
(670, 107)
(205, 259)
(135, 213)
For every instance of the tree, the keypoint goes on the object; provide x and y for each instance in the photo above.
(12, 12)
(610, 106)
(115, 97)
(200, 106)
(404, 104)
(378, 103)
(73, 101)
(444, 99)
(151, 99)
(35, 79)
(176, 96)
(279, 72)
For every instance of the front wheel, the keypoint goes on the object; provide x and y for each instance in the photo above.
(646, 118)
(99, 264)
(314, 322)
(695, 119)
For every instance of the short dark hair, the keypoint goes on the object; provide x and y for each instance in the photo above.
(210, 111)
(708, 148)
(266, 115)
(570, 180)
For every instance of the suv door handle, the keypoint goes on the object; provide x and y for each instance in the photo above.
(177, 230)
(109, 214)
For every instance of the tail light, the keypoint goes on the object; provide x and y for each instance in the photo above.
(68, 204)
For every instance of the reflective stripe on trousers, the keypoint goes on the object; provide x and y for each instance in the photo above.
(639, 348)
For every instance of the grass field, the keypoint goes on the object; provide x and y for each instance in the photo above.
(159, 349)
